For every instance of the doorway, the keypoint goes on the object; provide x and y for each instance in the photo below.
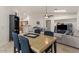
(48, 25)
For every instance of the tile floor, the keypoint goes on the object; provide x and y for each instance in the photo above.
(8, 48)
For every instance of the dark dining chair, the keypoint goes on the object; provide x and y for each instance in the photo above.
(38, 31)
(17, 47)
(49, 33)
(25, 46)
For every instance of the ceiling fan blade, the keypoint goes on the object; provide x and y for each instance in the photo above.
(50, 15)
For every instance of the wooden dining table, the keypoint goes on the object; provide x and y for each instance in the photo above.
(41, 43)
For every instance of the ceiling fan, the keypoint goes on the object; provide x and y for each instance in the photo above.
(46, 14)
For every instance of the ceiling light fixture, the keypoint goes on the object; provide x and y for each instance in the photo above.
(46, 15)
(56, 10)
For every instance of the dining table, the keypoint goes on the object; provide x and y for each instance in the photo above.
(39, 43)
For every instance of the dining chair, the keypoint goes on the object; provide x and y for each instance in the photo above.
(49, 33)
(38, 31)
(17, 47)
(25, 46)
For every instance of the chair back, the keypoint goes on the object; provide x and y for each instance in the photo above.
(49, 33)
(24, 42)
(16, 40)
(37, 31)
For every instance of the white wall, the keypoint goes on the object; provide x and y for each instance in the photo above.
(78, 20)
(67, 21)
(4, 25)
(68, 18)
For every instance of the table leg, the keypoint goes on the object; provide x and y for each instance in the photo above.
(51, 49)
(55, 47)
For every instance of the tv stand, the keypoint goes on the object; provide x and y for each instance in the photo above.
(61, 31)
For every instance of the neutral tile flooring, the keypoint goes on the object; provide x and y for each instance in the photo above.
(8, 48)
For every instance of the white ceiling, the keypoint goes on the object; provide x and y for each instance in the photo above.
(40, 11)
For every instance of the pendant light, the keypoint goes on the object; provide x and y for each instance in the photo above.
(46, 15)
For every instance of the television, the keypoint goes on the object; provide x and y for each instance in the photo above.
(62, 27)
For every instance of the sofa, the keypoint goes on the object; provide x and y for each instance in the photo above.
(69, 40)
